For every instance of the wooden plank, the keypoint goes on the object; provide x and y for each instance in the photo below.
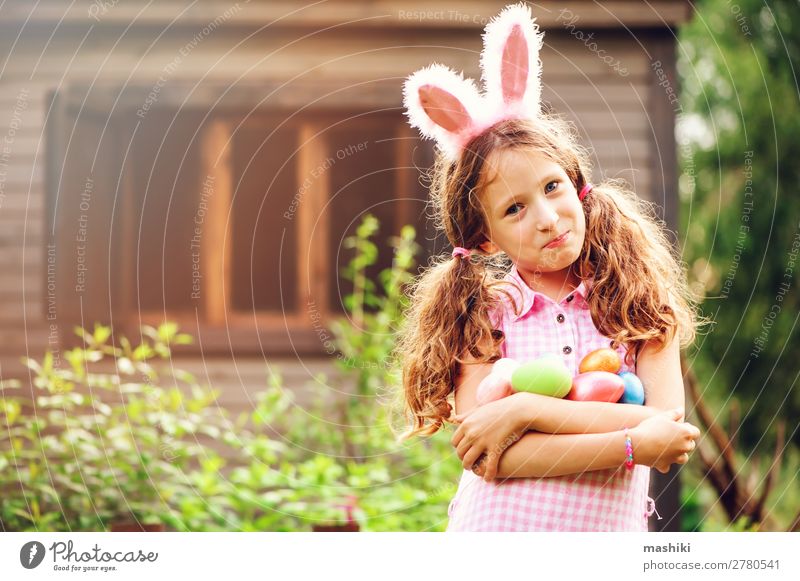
(313, 230)
(404, 174)
(20, 263)
(332, 55)
(126, 228)
(469, 14)
(298, 340)
(663, 148)
(15, 231)
(215, 242)
(26, 146)
(15, 201)
(22, 176)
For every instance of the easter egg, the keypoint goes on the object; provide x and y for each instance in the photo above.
(505, 367)
(601, 360)
(493, 387)
(546, 376)
(634, 390)
(597, 386)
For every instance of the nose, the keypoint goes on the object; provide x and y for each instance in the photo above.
(546, 216)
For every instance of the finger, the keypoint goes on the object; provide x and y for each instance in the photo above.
(462, 448)
(491, 467)
(461, 431)
(457, 436)
(471, 456)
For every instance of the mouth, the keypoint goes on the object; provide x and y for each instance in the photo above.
(558, 240)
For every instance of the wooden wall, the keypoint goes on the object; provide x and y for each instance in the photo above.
(248, 48)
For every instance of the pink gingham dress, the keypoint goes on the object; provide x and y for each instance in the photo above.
(602, 500)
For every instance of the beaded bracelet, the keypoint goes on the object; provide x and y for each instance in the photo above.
(628, 451)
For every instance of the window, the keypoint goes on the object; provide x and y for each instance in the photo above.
(231, 224)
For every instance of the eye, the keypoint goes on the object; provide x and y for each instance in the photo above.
(551, 187)
(510, 211)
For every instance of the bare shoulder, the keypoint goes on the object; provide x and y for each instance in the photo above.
(470, 373)
(658, 365)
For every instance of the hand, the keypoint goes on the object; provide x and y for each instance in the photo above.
(488, 431)
(663, 440)
(479, 468)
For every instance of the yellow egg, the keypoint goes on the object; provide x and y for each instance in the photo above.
(601, 360)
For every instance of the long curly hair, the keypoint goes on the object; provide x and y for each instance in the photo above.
(639, 294)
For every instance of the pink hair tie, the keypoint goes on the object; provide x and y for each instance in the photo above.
(458, 251)
(585, 190)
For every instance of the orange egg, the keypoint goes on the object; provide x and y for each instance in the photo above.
(601, 360)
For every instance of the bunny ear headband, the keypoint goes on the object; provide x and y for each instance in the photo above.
(446, 107)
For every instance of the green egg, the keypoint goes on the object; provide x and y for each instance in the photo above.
(546, 376)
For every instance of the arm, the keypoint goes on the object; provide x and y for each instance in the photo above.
(544, 455)
(658, 441)
(530, 411)
(562, 416)
(660, 372)
(493, 428)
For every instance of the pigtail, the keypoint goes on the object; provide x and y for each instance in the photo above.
(448, 321)
(640, 292)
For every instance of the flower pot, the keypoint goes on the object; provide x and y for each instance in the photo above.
(348, 527)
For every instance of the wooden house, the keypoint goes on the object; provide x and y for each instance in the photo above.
(203, 162)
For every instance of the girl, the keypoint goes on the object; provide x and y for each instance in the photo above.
(544, 262)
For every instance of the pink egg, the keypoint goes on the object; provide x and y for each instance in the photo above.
(505, 367)
(597, 386)
(493, 387)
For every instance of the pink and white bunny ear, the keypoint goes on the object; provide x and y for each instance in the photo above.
(510, 62)
(444, 106)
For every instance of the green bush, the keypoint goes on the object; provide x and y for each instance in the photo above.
(99, 443)
(113, 433)
(393, 486)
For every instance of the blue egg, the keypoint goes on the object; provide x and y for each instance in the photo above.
(634, 390)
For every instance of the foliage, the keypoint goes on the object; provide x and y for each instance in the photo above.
(97, 443)
(740, 119)
(395, 487)
(107, 435)
(701, 508)
(739, 122)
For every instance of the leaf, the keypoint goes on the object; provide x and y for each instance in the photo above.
(143, 352)
(167, 331)
(124, 365)
(101, 334)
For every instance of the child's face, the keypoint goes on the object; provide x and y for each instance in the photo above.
(529, 201)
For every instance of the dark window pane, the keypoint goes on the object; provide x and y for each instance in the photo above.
(264, 242)
(362, 181)
(166, 174)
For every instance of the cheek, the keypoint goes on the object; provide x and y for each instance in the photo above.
(580, 225)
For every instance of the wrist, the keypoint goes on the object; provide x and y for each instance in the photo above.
(522, 411)
(629, 458)
(636, 437)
